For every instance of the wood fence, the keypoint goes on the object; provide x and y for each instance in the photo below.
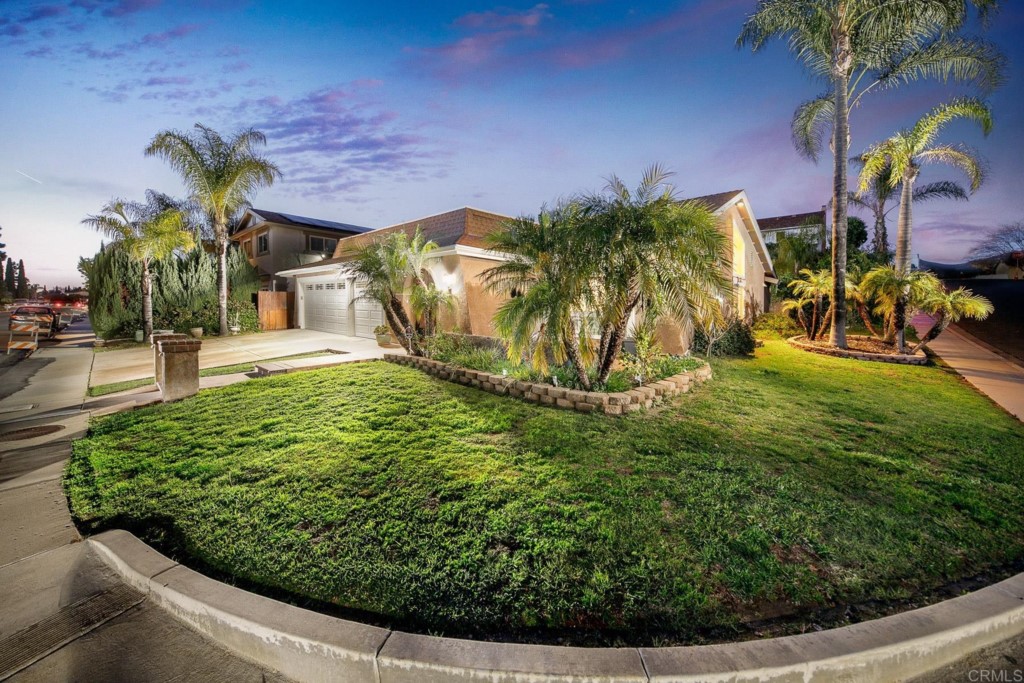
(275, 309)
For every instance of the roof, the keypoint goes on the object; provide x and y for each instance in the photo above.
(293, 220)
(716, 201)
(792, 221)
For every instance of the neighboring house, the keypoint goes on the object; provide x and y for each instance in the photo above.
(275, 241)
(329, 298)
(774, 226)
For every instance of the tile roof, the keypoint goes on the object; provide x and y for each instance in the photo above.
(796, 220)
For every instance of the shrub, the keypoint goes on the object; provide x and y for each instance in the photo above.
(736, 338)
(775, 326)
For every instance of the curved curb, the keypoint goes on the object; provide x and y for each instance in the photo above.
(918, 358)
(306, 645)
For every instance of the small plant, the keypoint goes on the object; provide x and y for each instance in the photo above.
(640, 365)
(731, 338)
(382, 330)
(775, 326)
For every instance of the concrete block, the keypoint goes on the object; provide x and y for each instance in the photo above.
(522, 386)
(564, 403)
(575, 395)
(548, 400)
(620, 399)
(476, 383)
(557, 392)
(179, 368)
(613, 409)
(597, 398)
(584, 407)
(532, 396)
(540, 389)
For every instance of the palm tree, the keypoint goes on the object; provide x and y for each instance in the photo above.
(879, 192)
(857, 46)
(220, 175)
(813, 288)
(900, 158)
(147, 232)
(548, 281)
(644, 250)
(383, 265)
(896, 292)
(949, 307)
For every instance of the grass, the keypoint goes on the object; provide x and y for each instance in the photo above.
(115, 387)
(792, 481)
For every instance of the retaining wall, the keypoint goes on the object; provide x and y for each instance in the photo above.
(618, 403)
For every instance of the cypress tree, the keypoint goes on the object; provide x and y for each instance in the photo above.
(9, 281)
(22, 286)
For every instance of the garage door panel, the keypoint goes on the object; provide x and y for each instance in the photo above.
(324, 306)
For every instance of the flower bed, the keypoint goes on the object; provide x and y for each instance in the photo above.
(801, 342)
(613, 403)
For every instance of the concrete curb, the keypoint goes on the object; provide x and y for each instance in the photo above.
(306, 645)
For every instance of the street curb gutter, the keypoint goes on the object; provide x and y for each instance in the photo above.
(308, 646)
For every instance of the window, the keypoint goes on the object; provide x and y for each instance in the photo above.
(247, 247)
(322, 244)
(319, 287)
(262, 243)
(329, 285)
(309, 288)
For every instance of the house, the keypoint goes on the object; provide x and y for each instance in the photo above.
(275, 241)
(774, 226)
(329, 298)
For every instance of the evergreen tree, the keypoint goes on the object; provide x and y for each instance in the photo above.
(9, 278)
(22, 289)
(3, 254)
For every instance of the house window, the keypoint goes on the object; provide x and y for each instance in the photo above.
(329, 285)
(309, 288)
(322, 244)
(262, 243)
(247, 247)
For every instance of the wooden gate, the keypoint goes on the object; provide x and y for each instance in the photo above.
(275, 309)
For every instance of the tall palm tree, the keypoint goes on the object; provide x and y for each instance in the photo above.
(900, 158)
(221, 176)
(648, 251)
(949, 307)
(896, 292)
(147, 231)
(547, 280)
(857, 46)
(880, 191)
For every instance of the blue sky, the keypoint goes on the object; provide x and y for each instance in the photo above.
(384, 112)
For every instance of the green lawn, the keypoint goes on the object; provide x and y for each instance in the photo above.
(789, 481)
(114, 387)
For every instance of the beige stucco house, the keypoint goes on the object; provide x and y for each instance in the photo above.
(329, 298)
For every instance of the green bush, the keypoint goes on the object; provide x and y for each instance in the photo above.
(775, 326)
(737, 339)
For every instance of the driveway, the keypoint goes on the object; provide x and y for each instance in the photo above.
(137, 363)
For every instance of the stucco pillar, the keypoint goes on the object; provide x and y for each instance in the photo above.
(179, 368)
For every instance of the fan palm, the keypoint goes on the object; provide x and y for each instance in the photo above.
(221, 175)
(879, 192)
(644, 250)
(147, 231)
(896, 292)
(857, 46)
(547, 278)
(949, 307)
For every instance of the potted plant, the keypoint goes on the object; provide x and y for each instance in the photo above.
(196, 332)
(236, 324)
(383, 334)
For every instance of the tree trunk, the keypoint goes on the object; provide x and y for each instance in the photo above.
(815, 319)
(938, 328)
(147, 301)
(221, 241)
(405, 324)
(615, 339)
(826, 321)
(899, 315)
(903, 243)
(396, 327)
(572, 351)
(881, 233)
(841, 131)
(866, 317)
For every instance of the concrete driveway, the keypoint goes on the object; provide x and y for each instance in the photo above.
(137, 363)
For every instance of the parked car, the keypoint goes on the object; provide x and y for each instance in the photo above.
(44, 316)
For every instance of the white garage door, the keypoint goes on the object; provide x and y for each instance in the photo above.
(368, 314)
(325, 307)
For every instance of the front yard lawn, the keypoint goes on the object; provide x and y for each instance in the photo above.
(790, 481)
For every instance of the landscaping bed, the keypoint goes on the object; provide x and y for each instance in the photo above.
(793, 484)
(860, 348)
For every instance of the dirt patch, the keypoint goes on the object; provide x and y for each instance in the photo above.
(862, 344)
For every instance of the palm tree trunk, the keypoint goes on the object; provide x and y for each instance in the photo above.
(881, 233)
(221, 241)
(903, 244)
(572, 351)
(405, 325)
(899, 315)
(615, 339)
(866, 317)
(815, 319)
(938, 328)
(826, 321)
(397, 328)
(147, 301)
(841, 131)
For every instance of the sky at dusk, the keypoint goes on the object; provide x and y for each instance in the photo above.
(379, 113)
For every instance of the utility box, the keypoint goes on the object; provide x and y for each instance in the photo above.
(178, 368)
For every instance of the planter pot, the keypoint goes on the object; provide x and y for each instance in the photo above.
(99, 342)
(384, 340)
(235, 330)
(140, 336)
(196, 332)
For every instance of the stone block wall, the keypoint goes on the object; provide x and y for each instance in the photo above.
(918, 358)
(620, 403)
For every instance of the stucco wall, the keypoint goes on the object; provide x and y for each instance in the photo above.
(481, 305)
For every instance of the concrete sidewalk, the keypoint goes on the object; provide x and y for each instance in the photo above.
(63, 615)
(994, 376)
(137, 363)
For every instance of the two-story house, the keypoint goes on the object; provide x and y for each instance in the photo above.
(276, 241)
